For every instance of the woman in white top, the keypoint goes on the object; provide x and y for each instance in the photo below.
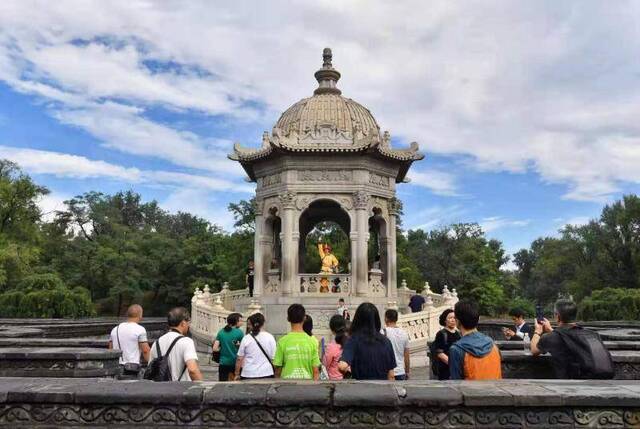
(256, 351)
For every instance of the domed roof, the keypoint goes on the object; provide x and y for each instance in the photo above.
(327, 110)
(325, 122)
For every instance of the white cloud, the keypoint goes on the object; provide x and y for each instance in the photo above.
(438, 182)
(434, 217)
(51, 203)
(78, 167)
(200, 203)
(550, 87)
(494, 223)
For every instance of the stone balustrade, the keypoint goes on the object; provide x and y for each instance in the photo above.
(446, 299)
(210, 310)
(209, 313)
(423, 325)
(338, 284)
(71, 403)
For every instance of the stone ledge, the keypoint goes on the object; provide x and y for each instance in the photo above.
(59, 362)
(69, 403)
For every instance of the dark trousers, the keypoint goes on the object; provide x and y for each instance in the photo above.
(224, 371)
(257, 378)
(401, 377)
(251, 289)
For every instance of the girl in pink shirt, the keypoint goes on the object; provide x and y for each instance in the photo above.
(333, 352)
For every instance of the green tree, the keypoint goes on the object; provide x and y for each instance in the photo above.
(461, 257)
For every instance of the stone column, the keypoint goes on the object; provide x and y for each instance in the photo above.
(395, 206)
(361, 202)
(289, 248)
(258, 254)
(353, 240)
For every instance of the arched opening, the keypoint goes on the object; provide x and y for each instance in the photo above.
(324, 222)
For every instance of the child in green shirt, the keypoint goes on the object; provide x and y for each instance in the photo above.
(297, 353)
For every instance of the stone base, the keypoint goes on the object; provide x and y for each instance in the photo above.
(58, 403)
(320, 308)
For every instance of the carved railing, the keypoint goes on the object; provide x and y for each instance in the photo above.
(439, 300)
(209, 311)
(324, 284)
(422, 326)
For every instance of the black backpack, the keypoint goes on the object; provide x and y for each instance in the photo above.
(434, 361)
(159, 369)
(591, 359)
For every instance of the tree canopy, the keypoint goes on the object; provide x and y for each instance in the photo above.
(103, 252)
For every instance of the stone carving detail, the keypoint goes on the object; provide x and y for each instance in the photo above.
(361, 199)
(273, 284)
(51, 365)
(146, 416)
(627, 371)
(325, 175)
(378, 180)
(324, 133)
(288, 200)
(303, 202)
(376, 287)
(395, 206)
(346, 203)
(271, 180)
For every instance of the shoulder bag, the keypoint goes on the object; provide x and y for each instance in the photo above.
(263, 352)
(130, 367)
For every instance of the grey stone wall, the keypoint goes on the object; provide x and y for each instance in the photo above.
(56, 403)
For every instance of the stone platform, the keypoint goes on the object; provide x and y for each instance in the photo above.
(58, 403)
(58, 362)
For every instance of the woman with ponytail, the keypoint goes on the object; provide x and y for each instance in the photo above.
(332, 354)
(256, 351)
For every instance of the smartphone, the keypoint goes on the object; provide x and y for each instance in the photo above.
(539, 313)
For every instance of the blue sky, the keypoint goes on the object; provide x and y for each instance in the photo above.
(528, 112)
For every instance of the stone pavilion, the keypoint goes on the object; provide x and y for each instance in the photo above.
(326, 159)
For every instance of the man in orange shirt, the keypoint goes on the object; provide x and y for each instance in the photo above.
(474, 356)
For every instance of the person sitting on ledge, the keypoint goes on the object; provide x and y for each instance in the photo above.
(576, 353)
(474, 356)
(520, 327)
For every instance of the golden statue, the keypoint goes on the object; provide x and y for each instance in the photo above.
(329, 265)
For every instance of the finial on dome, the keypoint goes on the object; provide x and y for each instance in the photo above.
(327, 56)
(327, 76)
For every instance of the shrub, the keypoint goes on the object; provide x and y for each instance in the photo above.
(45, 296)
(46, 281)
(611, 304)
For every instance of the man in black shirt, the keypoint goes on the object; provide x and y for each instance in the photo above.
(546, 340)
(249, 278)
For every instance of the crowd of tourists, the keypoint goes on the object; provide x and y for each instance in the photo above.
(361, 348)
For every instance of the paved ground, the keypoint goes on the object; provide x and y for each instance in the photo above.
(210, 369)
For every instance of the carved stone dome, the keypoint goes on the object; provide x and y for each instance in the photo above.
(326, 122)
(327, 110)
